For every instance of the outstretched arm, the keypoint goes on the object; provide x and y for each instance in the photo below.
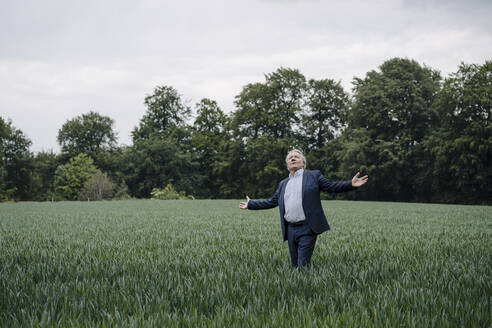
(341, 186)
(262, 204)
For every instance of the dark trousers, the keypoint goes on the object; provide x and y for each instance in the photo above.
(301, 241)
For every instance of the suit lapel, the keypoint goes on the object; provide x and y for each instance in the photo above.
(282, 190)
(282, 193)
(304, 184)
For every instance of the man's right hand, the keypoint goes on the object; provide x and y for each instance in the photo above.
(244, 205)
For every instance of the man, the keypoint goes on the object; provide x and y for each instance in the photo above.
(301, 216)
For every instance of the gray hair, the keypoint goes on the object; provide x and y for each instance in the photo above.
(300, 153)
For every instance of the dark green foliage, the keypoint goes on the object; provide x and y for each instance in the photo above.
(264, 127)
(228, 168)
(271, 109)
(45, 164)
(209, 130)
(16, 163)
(382, 160)
(89, 133)
(326, 113)
(419, 139)
(459, 154)
(165, 112)
(70, 178)
(390, 116)
(155, 162)
(210, 119)
(162, 148)
(265, 166)
(395, 103)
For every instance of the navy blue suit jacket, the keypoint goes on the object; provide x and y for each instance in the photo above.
(312, 183)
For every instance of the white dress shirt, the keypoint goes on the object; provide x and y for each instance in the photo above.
(293, 198)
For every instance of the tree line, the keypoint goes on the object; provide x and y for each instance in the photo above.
(420, 137)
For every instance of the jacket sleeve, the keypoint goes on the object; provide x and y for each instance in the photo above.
(334, 186)
(264, 204)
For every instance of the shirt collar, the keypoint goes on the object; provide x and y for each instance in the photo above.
(297, 174)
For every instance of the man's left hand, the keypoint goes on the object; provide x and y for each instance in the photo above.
(358, 182)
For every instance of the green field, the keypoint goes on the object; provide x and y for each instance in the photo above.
(207, 263)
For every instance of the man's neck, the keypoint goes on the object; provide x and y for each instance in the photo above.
(293, 172)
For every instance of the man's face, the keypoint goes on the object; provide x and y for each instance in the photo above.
(294, 161)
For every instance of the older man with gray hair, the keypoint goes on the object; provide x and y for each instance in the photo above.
(298, 197)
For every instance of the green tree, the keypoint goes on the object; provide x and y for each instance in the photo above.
(16, 163)
(459, 154)
(272, 108)
(5, 193)
(209, 130)
(210, 118)
(162, 151)
(326, 109)
(155, 162)
(392, 108)
(91, 134)
(264, 166)
(71, 177)
(44, 168)
(229, 168)
(88, 133)
(264, 126)
(356, 151)
(395, 103)
(165, 113)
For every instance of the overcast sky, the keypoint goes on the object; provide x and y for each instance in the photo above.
(60, 59)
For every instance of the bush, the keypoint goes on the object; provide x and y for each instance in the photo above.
(98, 187)
(169, 193)
(121, 192)
(71, 178)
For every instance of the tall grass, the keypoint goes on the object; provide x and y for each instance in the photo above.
(207, 263)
